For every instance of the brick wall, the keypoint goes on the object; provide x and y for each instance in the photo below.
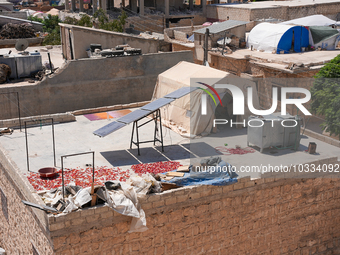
(271, 76)
(220, 13)
(269, 215)
(25, 227)
(229, 64)
(264, 216)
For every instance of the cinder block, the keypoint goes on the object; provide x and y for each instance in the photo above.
(108, 214)
(171, 200)
(158, 203)
(78, 221)
(238, 186)
(57, 226)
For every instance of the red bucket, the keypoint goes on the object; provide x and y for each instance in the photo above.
(48, 172)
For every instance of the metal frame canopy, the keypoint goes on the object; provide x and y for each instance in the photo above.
(146, 110)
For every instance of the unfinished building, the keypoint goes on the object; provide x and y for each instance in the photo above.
(282, 10)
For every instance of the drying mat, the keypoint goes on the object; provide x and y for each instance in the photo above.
(98, 116)
(105, 115)
(120, 113)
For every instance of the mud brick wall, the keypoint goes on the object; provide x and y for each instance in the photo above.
(229, 64)
(220, 13)
(24, 228)
(264, 216)
(272, 77)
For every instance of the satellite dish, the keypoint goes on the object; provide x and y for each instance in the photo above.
(21, 45)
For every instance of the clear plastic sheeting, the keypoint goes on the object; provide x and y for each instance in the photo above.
(123, 199)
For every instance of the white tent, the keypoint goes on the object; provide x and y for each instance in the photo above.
(266, 36)
(276, 38)
(313, 20)
(184, 114)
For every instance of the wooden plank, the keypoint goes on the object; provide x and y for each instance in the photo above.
(175, 174)
(183, 169)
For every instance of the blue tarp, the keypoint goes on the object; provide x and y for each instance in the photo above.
(301, 39)
(207, 176)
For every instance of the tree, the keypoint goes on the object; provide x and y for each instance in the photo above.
(113, 25)
(326, 95)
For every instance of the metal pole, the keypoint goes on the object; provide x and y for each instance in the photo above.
(49, 59)
(133, 133)
(93, 166)
(55, 163)
(225, 34)
(206, 46)
(72, 155)
(19, 110)
(53, 139)
(160, 126)
(28, 165)
(137, 138)
(62, 176)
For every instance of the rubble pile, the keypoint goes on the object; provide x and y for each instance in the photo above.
(16, 31)
(5, 73)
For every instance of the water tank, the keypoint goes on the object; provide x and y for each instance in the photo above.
(274, 132)
(28, 64)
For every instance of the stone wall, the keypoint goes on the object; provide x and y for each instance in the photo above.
(82, 37)
(91, 83)
(14, 14)
(279, 78)
(265, 76)
(181, 47)
(263, 216)
(283, 12)
(25, 227)
(229, 64)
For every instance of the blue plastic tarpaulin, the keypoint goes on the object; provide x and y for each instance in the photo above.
(217, 176)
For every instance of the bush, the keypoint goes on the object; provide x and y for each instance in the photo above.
(52, 38)
(113, 25)
(326, 95)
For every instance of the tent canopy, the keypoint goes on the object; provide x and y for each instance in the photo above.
(313, 20)
(184, 115)
(320, 34)
(276, 37)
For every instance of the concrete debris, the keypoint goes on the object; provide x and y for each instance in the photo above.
(4, 131)
(96, 51)
(5, 73)
(293, 66)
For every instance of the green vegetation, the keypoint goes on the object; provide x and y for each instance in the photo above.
(326, 95)
(113, 25)
(50, 24)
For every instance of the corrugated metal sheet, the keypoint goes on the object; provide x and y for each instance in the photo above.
(220, 27)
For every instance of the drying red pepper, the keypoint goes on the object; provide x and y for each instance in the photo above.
(81, 177)
(158, 167)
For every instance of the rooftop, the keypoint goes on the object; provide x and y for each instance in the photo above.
(311, 59)
(220, 27)
(113, 150)
(275, 4)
